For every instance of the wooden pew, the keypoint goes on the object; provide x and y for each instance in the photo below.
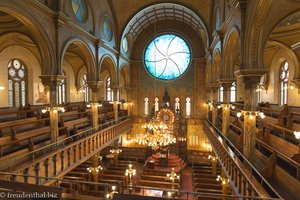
(158, 184)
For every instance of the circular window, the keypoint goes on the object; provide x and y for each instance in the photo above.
(80, 9)
(107, 30)
(125, 45)
(167, 57)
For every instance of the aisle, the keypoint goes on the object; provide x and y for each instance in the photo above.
(186, 182)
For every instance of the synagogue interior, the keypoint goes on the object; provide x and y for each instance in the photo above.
(150, 99)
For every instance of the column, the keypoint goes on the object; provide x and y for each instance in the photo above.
(226, 107)
(95, 173)
(214, 110)
(116, 146)
(250, 116)
(128, 90)
(51, 82)
(95, 87)
(115, 102)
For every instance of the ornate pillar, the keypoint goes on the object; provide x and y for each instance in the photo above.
(95, 87)
(226, 105)
(249, 112)
(51, 82)
(116, 153)
(214, 110)
(115, 102)
(95, 173)
(128, 90)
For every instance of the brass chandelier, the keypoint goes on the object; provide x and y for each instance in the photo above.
(157, 135)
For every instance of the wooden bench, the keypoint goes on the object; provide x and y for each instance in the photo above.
(5, 127)
(157, 178)
(158, 184)
(71, 125)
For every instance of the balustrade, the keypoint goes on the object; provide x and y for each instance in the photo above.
(248, 181)
(67, 157)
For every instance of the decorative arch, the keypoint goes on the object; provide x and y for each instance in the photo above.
(232, 46)
(261, 23)
(215, 73)
(107, 62)
(86, 56)
(217, 18)
(37, 34)
(141, 20)
(125, 73)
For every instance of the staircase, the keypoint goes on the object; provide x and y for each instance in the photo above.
(205, 182)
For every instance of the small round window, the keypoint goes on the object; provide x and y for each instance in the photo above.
(125, 45)
(80, 9)
(167, 57)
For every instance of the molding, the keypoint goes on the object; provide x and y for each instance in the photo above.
(250, 72)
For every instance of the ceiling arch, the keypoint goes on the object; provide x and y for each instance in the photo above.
(163, 12)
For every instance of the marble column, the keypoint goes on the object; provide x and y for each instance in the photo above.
(116, 153)
(51, 82)
(249, 133)
(226, 107)
(95, 87)
(214, 110)
(115, 102)
(95, 173)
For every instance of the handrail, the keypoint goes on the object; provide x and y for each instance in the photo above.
(61, 143)
(107, 185)
(244, 160)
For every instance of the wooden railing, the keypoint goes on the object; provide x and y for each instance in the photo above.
(246, 181)
(64, 158)
(77, 185)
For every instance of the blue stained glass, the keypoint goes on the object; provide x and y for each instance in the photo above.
(80, 9)
(167, 57)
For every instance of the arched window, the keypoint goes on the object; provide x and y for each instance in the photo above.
(146, 106)
(17, 83)
(259, 90)
(85, 88)
(221, 94)
(177, 104)
(188, 107)
(61, 91)
(284, 79)
(108, 90)
(233, 92)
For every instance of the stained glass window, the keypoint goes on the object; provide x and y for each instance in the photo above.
(85, 88)
(233, 92)
(61, 92)
(125, 45)
(284, 79)
(221, 94)
(107, 29)
(167, 57)
(108, 90)
(80, 9)
(17, 83)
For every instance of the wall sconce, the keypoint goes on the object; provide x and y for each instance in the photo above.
(55, 109)
(2, 88)
(251, 114)
(295, 84)
(297, 134)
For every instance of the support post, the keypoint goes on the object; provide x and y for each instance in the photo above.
(95, 86)
(51, 82)
(116, 146)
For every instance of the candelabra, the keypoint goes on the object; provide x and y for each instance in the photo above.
(130, 172)
(173, 176)
(251, 114)
(115, 151)
(55, 109)
(225, 184)
(95, 170)
(110, 195)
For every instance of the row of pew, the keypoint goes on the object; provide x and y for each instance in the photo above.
(21, 136)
